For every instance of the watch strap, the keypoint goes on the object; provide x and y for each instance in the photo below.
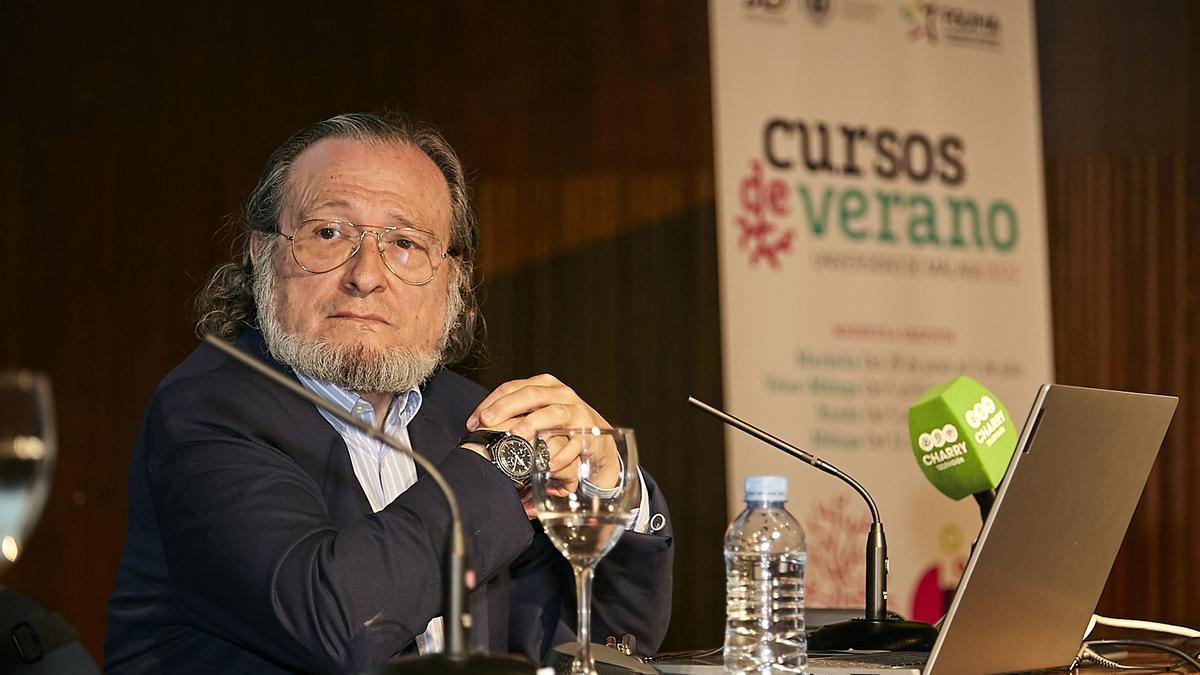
(489, 438)
(484, 437)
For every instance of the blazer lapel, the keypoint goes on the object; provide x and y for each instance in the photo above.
(343, 493)
(325, 458)
(430, 436)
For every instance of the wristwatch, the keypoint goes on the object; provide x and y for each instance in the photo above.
(513, 455)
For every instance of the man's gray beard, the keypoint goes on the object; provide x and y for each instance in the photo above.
(357, 367)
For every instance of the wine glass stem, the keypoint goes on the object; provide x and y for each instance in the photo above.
(583, 664)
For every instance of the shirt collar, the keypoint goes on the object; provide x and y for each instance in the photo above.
(407, 405)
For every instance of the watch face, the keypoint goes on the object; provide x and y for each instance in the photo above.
(514, 456)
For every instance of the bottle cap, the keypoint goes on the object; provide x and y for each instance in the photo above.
(766, 489)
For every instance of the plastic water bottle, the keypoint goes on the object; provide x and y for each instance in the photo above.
(765, 556)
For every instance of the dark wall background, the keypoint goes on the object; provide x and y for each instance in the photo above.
(130, 134)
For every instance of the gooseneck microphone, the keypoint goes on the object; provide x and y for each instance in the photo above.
(876, 630)
(876, 601)
(456, 658)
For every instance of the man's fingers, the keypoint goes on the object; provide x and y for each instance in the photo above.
(503, 390)
(553, 416)
(563, 450)
(555, 445)
(521, 400)
(563, 487)
(566, 460)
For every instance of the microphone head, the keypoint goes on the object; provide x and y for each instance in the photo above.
(962, 437)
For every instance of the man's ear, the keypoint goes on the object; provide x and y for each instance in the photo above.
(254, 245)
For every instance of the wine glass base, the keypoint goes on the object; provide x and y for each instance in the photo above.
(561, 658)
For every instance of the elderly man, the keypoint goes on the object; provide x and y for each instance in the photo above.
(267, 536)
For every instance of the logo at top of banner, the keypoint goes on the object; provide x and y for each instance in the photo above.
(818, 12)
(934, 22)
(767, 11)
(768, 6)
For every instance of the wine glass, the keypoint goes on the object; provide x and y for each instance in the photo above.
(27, 444)
(585, 507)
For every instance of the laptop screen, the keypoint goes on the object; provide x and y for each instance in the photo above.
(1046, 549)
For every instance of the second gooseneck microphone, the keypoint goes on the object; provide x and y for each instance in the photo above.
(876, 630)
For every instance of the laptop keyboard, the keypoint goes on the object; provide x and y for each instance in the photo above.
(871, 659)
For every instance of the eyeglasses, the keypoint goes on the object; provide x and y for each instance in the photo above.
(320, 246)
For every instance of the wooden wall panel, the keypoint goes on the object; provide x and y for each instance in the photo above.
(1120, 122)
(1122, 259)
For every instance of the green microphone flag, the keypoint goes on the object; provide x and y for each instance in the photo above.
(962, 436)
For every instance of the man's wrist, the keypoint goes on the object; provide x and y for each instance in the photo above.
(515, 456)
(482, 450)
(477, 448)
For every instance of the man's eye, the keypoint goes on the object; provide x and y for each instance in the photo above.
(328, 233)
(408, 244)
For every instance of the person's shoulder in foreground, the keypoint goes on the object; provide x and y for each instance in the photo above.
(264, 536)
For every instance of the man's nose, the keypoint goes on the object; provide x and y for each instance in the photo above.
(366, 271)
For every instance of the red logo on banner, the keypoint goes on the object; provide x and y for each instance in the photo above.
(837, 575)
(762, 200)
(932, 596)
(937, 583)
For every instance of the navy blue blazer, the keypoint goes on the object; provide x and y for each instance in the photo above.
(251, 547)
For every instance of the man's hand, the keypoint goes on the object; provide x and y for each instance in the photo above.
(543, 402)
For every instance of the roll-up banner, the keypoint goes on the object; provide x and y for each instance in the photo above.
(881, 226)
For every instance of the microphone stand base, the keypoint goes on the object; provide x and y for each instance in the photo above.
(436, 664)
(886, 634)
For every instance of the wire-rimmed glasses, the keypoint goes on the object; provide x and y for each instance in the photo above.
(322, 245)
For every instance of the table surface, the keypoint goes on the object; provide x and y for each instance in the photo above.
(1152, 659)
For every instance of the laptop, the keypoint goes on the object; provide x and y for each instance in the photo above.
(1047, 547)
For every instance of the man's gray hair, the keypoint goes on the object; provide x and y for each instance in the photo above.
(226, 306)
